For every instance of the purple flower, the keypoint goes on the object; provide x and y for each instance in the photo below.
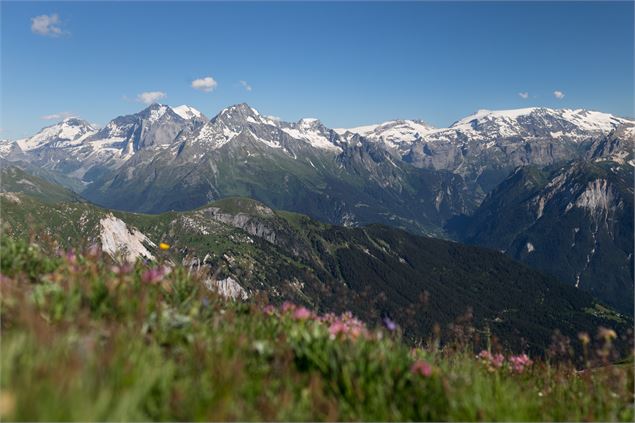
(71, 257)
(390, 325)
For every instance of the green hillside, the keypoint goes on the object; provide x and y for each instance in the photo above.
(375, 271)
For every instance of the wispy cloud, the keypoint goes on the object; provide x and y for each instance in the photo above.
(524, 95)
(245, 85)
(274, 118)
(57, 116)
(205, 84)
(150, 97)
(47, 25)
(558, 94)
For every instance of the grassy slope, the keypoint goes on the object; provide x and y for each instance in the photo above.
(83, 340)
(373, 271)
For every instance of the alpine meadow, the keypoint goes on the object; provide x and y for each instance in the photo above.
(317, 211)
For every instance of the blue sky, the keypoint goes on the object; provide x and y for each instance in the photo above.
(345, 63)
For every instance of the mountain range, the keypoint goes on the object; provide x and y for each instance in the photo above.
(510, 180)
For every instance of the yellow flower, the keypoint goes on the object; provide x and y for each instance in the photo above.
(7, 404)
(584, 338)
(164, 246)
(607, 334)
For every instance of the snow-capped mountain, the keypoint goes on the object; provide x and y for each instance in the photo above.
(481, 148)
(69, 132)
(395, 133)
(485, 146)
(243, 119)
(535, 122)
(188, 112)
(80, 150)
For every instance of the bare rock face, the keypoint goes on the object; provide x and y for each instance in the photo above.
(574, 222)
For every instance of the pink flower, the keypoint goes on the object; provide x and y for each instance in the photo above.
(122, 269)
(497, 360)
(520, 362)
(288, 307)
(153, 275)
(327, 318)
(493, 361)
(337, 328)
(302, 313)
(485, 355)
(269, 309)
(422, 368)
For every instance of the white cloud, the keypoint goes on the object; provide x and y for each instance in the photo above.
(150, 97)
(274, 118)
(206, 84)
(524, 95)
(558, 94)
(245, 85)
(47, 25)
(57, 116)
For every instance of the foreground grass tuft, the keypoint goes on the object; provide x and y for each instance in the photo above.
(85, 339)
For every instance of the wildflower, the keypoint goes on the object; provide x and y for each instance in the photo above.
(71, 257)
(390, 325)
(422, 368)
(584, 338)
(288, 307)
(7, 404)
(94, 250)
(336, 329)
(153, 275)
(328, 318)
(493, 361)
(497, 360)
(268, 309)
(164, 246)
(302, 313)
(484, 355)
(606, 334)
(122, 269)
(520, 362)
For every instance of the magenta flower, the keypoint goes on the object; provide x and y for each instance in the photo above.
(422, 368)
(269, 309)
